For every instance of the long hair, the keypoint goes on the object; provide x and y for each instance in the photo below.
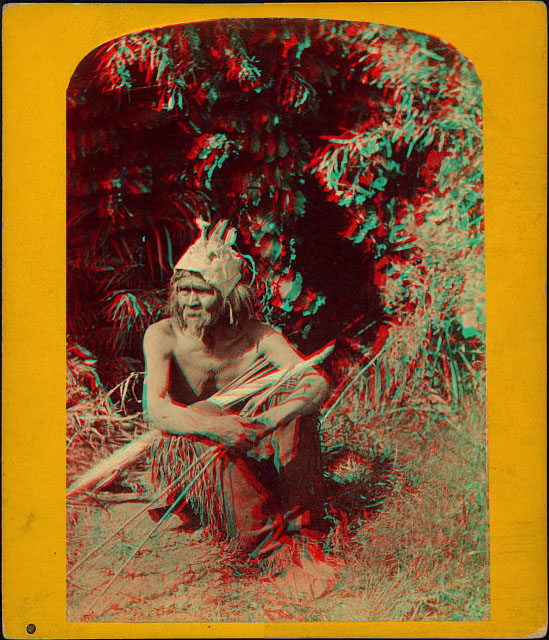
(241, 304)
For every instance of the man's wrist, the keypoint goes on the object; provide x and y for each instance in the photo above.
(282, 414)
(192, 423)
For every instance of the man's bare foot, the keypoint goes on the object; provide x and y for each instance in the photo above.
(308, 578)
(185, 521)
(158, 513)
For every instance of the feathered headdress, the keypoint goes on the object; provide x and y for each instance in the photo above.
(213, 257)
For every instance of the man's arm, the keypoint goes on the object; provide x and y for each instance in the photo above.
(202, 419)
(159, 408)
(312, 388)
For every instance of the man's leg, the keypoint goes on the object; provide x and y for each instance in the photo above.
(227, 495)
(302, 566)
(254, 515)
(298, 461)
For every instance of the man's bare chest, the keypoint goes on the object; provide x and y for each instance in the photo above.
(206, 370)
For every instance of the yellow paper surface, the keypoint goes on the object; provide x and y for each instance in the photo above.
(43, 43)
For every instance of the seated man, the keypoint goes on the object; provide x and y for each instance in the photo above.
(262, 493)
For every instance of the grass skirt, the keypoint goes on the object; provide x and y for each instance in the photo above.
(189, 459)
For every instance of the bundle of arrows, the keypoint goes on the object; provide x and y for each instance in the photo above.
(256, 385)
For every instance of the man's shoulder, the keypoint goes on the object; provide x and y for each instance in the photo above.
(272, 343)
(257, 329)
(160, 335)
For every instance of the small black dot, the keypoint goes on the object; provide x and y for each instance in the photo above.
(31, 628)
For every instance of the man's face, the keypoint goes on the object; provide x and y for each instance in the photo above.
(198, 303)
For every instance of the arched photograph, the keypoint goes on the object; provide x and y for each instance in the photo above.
(276, 376)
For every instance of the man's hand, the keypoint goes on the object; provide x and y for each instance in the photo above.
(288, 409)
(271, 418)
(237, 432)
(229, 429)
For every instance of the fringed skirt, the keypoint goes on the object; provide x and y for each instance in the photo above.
(188, 464)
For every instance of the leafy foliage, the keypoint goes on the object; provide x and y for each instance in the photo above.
(330, 145)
